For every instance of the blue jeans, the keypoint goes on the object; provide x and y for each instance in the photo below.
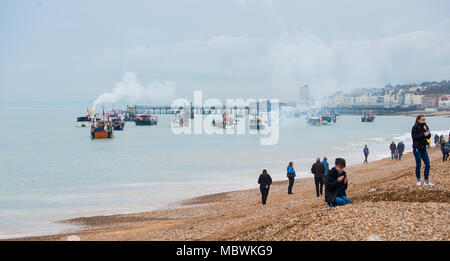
(419, 155)
(340, 201)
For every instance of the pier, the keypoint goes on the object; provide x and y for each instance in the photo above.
(166, 109)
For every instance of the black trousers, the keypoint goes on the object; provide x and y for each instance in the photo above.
(319, 181)
(264, 194)
(291, 184)
(365, 155)
(444, 155)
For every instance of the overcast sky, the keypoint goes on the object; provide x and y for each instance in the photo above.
(78, 50)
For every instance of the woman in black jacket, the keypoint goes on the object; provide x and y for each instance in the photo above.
(264, 182)
(420, 133)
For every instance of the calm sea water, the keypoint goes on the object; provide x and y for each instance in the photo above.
(50, 170)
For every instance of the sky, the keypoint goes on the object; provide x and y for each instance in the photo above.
(162, 50)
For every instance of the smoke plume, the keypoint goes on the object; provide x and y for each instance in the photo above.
(130, 90)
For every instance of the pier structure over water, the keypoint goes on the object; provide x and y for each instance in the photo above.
(166, 109)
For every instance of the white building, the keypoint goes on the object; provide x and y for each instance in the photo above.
(444, 101)
(394, 99)
(362, 99)
(413, 99)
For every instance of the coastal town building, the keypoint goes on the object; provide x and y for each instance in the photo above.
(444, 101)
(430, 101)
(394, 99)
(412, 99)
(424, 95)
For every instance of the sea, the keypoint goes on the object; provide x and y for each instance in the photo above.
(51, 170)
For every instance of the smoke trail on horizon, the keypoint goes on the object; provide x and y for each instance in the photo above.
(130, 90)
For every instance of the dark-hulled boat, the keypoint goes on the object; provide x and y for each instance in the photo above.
(84, 121)
(145, 119)
(367, 116)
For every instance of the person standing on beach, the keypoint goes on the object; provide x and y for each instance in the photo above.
(291, 176)
(442, 143)
(326, 166)
(366, 154)
(436, 140)
(401, 149)
(336, 184)
(264, 182)
(318, 169)
(447, 149)
(420, 133)
(393, 147)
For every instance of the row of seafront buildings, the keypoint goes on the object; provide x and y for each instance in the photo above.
(428, 95)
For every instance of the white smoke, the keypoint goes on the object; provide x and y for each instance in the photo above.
(130, 90)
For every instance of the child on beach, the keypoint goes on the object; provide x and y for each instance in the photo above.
(336, 185)
(264, 182)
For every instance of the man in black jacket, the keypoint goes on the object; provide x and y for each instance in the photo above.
(336, 184)
(393, 148)
(264, 182)
(318, 169)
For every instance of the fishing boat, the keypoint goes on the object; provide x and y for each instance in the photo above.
(367, 116)
(180, 120)
(314, 121)
(101, 129)
(129, 118)
(145, 119)
(226, 123)
(256, 123)
(84, 121)
(116, 120)
(118, 123)
(327, 120)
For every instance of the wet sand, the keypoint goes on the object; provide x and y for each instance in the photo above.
(396, 210)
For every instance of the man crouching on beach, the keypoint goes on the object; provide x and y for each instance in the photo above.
(336, 183)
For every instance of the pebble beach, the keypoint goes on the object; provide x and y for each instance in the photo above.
(387, 206)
